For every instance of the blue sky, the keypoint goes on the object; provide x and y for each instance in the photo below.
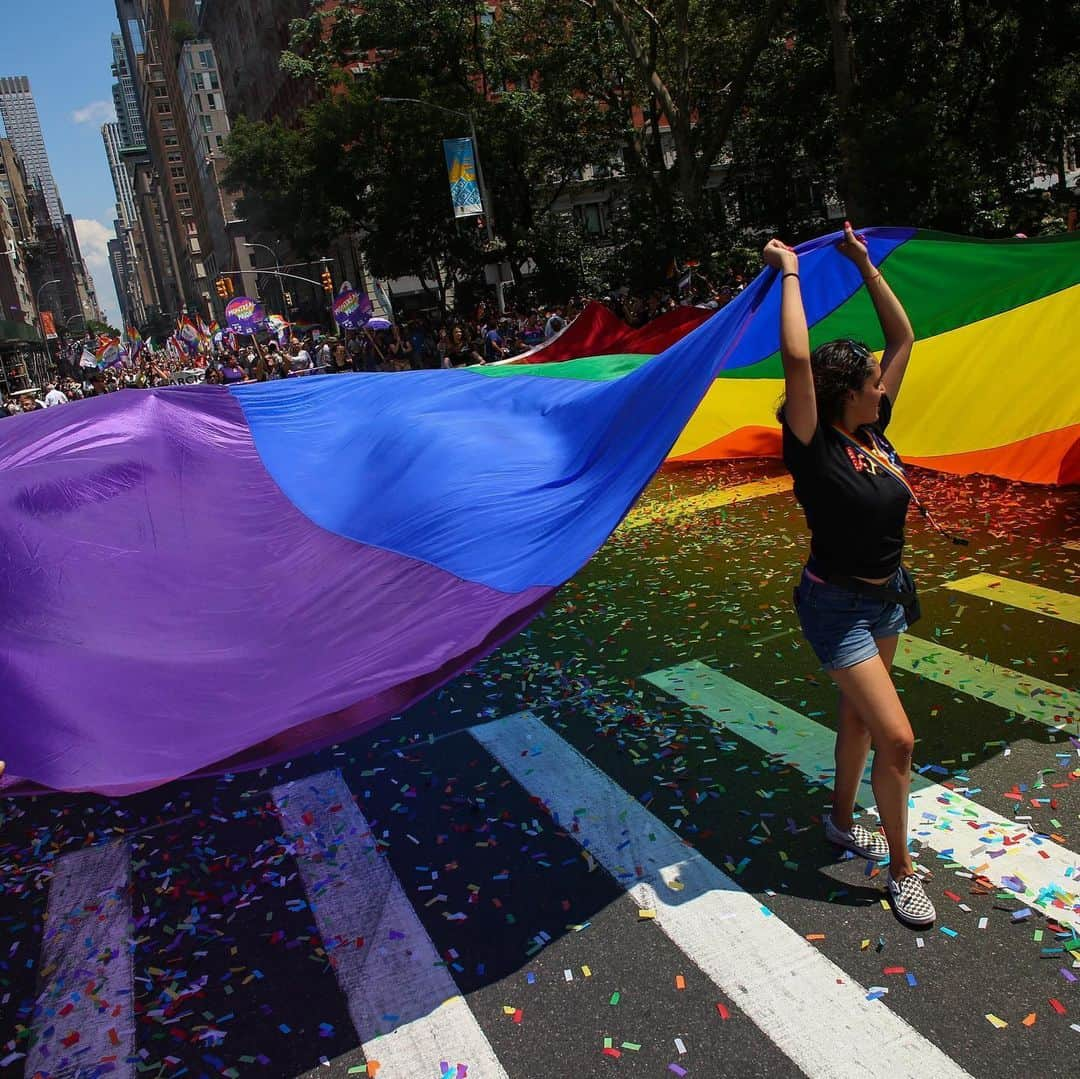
(63, 47)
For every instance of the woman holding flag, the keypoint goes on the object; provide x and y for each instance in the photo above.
(855, 597)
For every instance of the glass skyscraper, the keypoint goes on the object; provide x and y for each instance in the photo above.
(21, 123)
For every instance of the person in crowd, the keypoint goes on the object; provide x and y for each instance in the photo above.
(494, 344)
(459, 351)
(300, 362)
(232, 372)
(398, 351)
(54, 397)
(339, 362)
(324, 356)
(555, 324)
(284, 364)
(854, 597)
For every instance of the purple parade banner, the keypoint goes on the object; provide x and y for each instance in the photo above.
(244, 315)
(351, 309)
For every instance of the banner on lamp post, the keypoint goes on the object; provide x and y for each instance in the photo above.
(461, 169)
(48, 325)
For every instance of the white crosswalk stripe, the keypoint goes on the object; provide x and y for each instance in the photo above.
(1015, 691)
(817, 1015)
(404, 1005)
(83, 1021)
(406, 1008)
(984, 842)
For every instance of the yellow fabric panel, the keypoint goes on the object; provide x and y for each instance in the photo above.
(995, 382)
(729, 405)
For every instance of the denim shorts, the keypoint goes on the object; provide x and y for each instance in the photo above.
(841, 626)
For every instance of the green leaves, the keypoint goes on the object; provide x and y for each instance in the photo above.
(700, 125)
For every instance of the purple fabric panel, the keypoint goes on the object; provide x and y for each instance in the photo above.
(164, 607)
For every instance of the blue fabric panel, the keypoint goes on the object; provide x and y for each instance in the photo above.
(508, 482)
(826, 280)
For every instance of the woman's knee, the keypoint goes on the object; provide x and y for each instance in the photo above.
(897, 743)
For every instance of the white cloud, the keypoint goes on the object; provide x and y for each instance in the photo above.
(96, 113)
(94, 240)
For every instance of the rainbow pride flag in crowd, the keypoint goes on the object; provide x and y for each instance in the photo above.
(382, 532)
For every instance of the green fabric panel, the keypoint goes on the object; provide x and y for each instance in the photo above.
(586, 369)
(946, 282)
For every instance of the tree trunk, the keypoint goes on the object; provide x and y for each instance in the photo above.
(851, 178)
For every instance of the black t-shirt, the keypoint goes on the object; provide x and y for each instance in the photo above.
(854, 507)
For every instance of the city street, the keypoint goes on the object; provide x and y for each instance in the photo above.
(600, 851)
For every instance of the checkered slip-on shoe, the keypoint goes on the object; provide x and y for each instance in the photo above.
(910, 902)
(858, 840)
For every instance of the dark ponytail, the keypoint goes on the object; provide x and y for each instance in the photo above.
(838, 368)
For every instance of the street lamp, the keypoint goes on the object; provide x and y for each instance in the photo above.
(41, 321)
(484, 198)
(277, 267)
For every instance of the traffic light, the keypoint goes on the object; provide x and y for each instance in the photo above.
(221, 288)
(229, 287)
(327, 281)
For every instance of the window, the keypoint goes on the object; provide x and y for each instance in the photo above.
(211, 102)
(592, 217)
(206, 139)
(220, 141)
(214, 85)
(172, 140)
(180, 189)
(206, 58)
(162, 108)
(177, 172)
(161, 91)
(200, 269)
(184, 204)
(197, 81)
(168, 125)
(207, 123)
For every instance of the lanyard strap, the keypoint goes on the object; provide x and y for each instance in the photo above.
(879, 456)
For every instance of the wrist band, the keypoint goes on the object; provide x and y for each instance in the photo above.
(874, 277)
(790, 273)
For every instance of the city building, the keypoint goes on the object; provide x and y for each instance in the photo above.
(52, 225)
(19, 112)
(168, 194)
(22, 354)
(132, 134)
(247, 43)
(249, 39)
(131, 286)
(157, 263)
(208, 127)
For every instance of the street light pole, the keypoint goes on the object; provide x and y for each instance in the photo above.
(41, 321)
(489, 227)
(277, 269)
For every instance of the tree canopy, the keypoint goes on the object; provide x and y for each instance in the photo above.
(698, 126)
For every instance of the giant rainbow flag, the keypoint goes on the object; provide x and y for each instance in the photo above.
(195, 580)
(991, 386)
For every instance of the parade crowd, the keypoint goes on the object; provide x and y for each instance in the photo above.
(414, 342)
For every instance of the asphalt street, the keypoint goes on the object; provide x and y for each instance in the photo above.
(530, 875)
